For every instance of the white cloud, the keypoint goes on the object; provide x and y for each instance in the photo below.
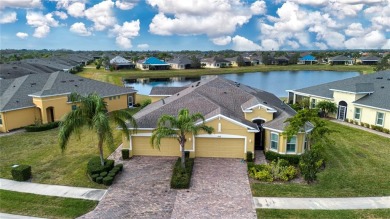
(62, 15)
(41, 31)
(20, 4)
(126, 4)
(76, 9)
(22, 35)
(125, 32)
(80, 29)
(387, 45)
(193, 17)
(123, 42)
(7, 17)
(321, 45)
(372, 40)
(293, 44)
(310, 2)
(143, 46)
(355, 29)
(269, 44)
(66, 3)
(259, 7)
(222, 41)
(243, 44)
(42, 23)
(101, 15)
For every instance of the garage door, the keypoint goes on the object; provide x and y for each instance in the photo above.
(219, 147)
(141, 146)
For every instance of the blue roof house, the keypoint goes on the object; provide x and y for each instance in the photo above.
(307, 59)
(152, 63)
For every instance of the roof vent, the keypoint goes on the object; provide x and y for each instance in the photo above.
(388, 79)
(178, 94)
(81, 79)
(265, 102)
(71, 80)
(76, 85)
(63, 81)
(383, 87)
(379, 78)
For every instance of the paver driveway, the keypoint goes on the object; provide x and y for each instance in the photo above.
(140, 191)
(220, 189)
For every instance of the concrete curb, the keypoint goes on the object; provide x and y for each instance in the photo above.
(53, 190)
(322, 203)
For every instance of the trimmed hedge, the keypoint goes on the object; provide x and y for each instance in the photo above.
(42, 127)
(21, 172)
(103, 174)
(120, 166)
(125, 154)
(108, 180)
(249, 156)
(94, 166)
(181, 178)
(99, 180)
(94, 176)
(292, 159)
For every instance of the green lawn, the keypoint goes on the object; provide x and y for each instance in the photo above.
(329, 214)
(357, 165)
(116, 77)
(43, 206)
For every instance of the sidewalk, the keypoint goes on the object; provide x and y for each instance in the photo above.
(361, 128)
(14, 216)
(53, 190)
(322, 203)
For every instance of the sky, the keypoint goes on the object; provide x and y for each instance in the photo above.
(173, 25)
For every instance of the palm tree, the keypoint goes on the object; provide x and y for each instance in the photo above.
(92, 113)
(178, 127)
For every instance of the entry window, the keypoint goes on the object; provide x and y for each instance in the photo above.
(358, 112)
(274, 141)
(291, 144)
(313, 103)
(1, 120)
(305, 145)
(74, 107)
(380, 117)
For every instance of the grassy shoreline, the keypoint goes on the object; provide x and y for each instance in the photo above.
(116, 77)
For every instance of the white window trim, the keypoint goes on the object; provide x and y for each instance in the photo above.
(295, 148)
(270, 144)
(1, 119)
(360, 114)
(383, 119)
(313, 101)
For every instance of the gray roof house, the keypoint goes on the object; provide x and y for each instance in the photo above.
(369, 60)
(341, 60)
(214, 62)
(364, 98)
(181, 62)
(119, 62)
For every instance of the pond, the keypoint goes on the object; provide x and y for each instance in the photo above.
(276, 82)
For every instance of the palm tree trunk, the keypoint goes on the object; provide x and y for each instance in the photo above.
(183, 156)
(100, 145)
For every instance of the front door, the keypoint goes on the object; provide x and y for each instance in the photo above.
(259, 137)
(342, 112)
(130, 101)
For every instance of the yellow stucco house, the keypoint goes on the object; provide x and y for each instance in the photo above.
(364, 99)
(244, 119)
(43, 98)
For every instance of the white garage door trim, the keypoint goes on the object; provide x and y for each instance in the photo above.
(219, 136)
(139, 134)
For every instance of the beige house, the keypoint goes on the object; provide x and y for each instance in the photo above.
(43, 98)
(214, 62)
(364, 99)
(244, 119)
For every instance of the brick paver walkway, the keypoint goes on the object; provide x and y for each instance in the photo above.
(220, 189)
(142, 190)
(260, 157)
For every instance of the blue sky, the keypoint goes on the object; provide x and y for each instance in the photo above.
(241, 25)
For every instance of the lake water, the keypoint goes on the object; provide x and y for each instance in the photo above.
(276, 82)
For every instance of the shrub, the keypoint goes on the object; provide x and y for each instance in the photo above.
(42, 127)
(125, 154)
(103, 174)
(108, 180)
(94, 166)
(145, 102)
(181, 178)
(249, 156)
(99, 180)
(310, 164)
(377, 128)
(283, 162)
(111, 174)
(386, 131)
(250, 165)
(21, 172)
(292, 159)
(264, 175)
(120, 166)
(94, 176)
(115, 170)
(279, 170)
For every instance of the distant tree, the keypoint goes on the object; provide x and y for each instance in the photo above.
(266, 58)
(195, 62)
(240, 61)
(293, 59)
(383, 64)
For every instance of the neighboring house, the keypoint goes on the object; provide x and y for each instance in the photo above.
(18, 69)
(152, 63)
(43, 98)
(214, 62)
(234, 62)
(158, 93)
(244, 119)
(118, 62)
(180, 63)
(363, 98)
(307, 60)
(368, 60)
(340, 60)
(281, 60)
